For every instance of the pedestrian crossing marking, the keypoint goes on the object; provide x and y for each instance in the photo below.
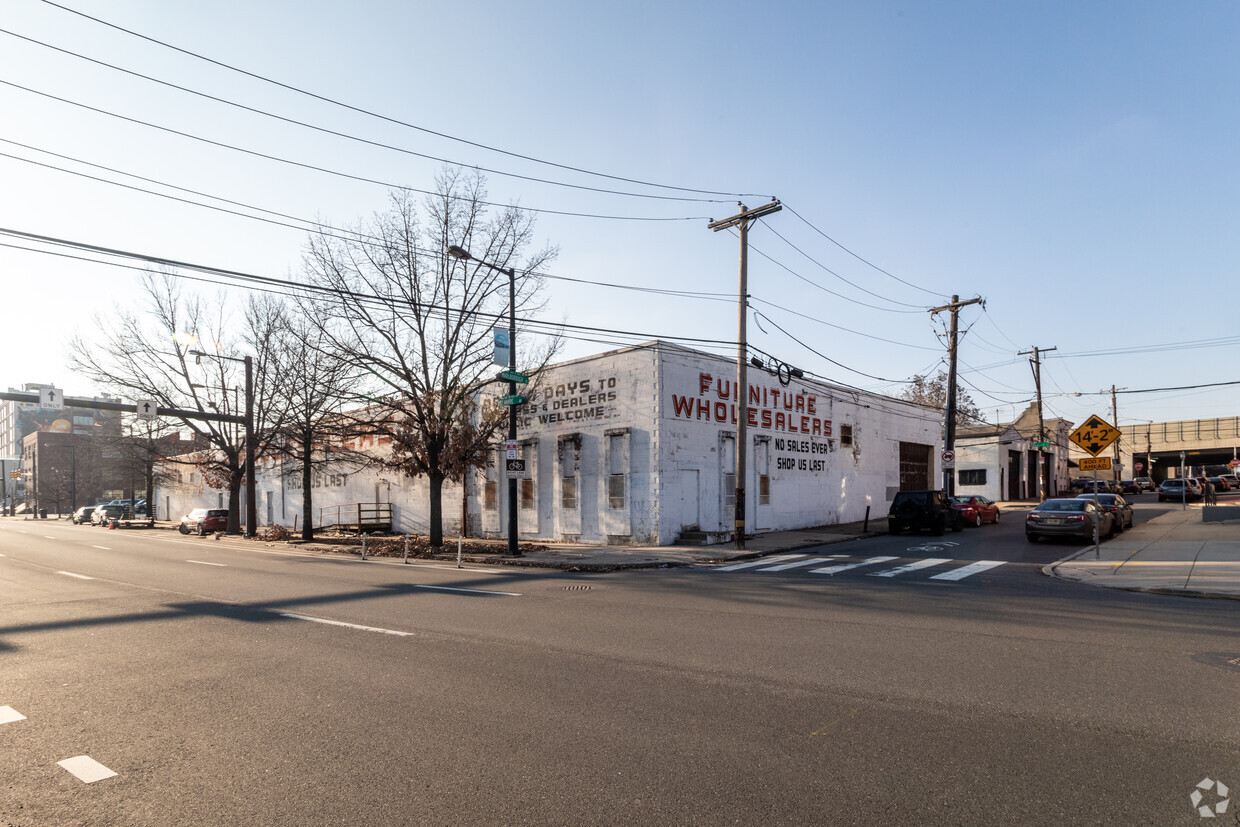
(846, 566)
(914, 566)
(808, 561)
(764, 561)
(966, 571)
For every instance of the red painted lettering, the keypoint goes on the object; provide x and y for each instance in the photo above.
(704, 380)
(682, 406)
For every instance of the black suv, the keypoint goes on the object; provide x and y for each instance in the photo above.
(919, 510)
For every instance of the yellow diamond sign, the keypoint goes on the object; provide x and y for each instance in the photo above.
(1095, 435)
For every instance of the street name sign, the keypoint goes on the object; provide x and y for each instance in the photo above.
(1094, 435)
(1041, 445)
(514, 376)
(1096, 464)
(512, 399)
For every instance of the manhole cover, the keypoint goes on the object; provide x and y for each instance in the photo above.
(576, 588)
(1223, 660)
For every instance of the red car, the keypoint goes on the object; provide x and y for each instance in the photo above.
(976, 509)
(204, 521)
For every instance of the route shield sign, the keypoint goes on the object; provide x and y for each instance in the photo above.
(1095, 435)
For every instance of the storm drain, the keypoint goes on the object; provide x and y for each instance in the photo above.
(1223, 660)
(576, 587)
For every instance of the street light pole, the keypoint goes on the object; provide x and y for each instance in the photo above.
(251, 507)
(461, 253)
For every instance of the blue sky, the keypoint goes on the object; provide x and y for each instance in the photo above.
(1074, 164)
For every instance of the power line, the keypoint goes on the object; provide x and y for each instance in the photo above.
(388, 119)
(824, 356)
(346, 136)
(813, 283)
(325, 170)
(752, 297)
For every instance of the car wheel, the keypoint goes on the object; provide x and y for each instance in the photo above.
(939, 527)
(958, 524)
(1118, 527)
(202, 529)
(181, 528)
(1033, 538)
(977, 521)
(996, 516)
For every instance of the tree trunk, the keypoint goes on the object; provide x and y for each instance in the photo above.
(307, 498)
(234, 501)
(436, 524)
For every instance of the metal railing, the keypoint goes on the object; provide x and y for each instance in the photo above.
(357, 516)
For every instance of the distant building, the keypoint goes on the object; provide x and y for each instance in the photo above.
(1000, 461)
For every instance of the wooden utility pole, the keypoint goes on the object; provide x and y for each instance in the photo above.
(1036, 362)
(1115, 469)
(742, 220)
(949, 427)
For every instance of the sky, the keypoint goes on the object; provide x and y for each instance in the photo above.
(1073, 164)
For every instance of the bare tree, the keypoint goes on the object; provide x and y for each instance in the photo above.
(416, 325)
(146, 355)
(933, 392)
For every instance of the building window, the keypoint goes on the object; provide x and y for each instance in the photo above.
(762, 463)
(490, 495)
(764, 489)
(527, 486)
(729, 495)
(973, 476)
(568, 493)
(617, 467)
(527, 494)
(846, 435)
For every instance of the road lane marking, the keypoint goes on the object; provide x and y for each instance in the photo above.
(105, 548)
(87, 769)
(870, 561)
(919, 564)
(71, 574)
(48, 537)
(764, 561)
(467, 591)
(8, 715)
(968, 571)
(808, 561)
(205, 563)
(346, 625)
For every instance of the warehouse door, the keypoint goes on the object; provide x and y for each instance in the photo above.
(914, 466)
(690, 512)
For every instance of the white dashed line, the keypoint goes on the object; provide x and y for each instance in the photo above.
(966, 571)
(87, 769)
(808, 561)
(205, 563)
(105, 548)
(71, 574)
(347, 625)
(48, 537)
(8, 715)
(467, 591)
(914, 566)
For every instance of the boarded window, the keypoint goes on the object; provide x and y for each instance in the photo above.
(615, 491)
(914, 466)
(490, 495)
(973, 476)
(527, 495)
(568, 493)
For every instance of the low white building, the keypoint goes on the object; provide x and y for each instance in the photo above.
(1000, 462)
(637, 446)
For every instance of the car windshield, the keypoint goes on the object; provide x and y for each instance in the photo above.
(915, 497)
(198, 513)
(1062, 505)
(963, 500)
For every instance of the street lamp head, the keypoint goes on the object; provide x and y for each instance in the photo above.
(459, 252)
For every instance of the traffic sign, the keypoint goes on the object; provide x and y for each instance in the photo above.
(1096, 464)
(1138, 465)
(52, 398)
(510, 449)
(514, 376)
(146, 408)
(949, 458)
(512, 399)
(1235, 463)
(1095, 435)
(516, 470)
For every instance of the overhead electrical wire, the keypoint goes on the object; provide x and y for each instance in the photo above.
(325, 170)
(813, 283)
(392, 120)
(755, 298)
(358, 139)
(824, 356)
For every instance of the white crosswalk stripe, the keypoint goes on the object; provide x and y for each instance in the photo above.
(914, 566)
(969, 570)
(786, 562)
(846, 566)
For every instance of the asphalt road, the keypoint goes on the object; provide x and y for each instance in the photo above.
(231, 683)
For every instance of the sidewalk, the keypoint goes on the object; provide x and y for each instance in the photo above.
(1176, 553)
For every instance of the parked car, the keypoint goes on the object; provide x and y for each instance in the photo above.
(1146, 483)
(104, 514)
(1118, 507)
(1089, 486)
(976, 509)
(1221, 483)
(918, 510)
(1129, 487)
(82, 515)
(1068, 518)
(1081, 483)
(204, 520)
(1179, 489)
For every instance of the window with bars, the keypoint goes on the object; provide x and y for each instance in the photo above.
(846, 437)
(764, 489)
(568, 493)
(729, 495)
(973, 476)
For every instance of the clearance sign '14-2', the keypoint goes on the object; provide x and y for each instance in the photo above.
(1095, 435)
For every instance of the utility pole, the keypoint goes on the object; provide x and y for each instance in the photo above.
(949, 427)
(1115, 419)
(742, 220)
(1036, 362)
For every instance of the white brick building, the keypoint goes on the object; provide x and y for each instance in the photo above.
(637, 446)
